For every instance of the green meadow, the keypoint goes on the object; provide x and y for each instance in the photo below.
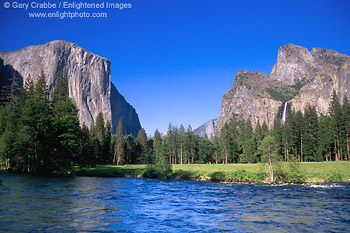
(313, 171)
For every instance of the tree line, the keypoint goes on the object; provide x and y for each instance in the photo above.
(41, 133)
(304, 137)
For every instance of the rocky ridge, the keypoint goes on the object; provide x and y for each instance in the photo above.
(299, 77)
(89, 80)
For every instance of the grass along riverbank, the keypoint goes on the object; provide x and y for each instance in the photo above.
(312, 172)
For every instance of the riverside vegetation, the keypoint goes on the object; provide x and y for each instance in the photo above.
(310, 172)
(41, 134)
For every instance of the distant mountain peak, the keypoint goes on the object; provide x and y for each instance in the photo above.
(297, 64)
(207, 129)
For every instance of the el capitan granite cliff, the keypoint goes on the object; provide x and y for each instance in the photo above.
(89, 80)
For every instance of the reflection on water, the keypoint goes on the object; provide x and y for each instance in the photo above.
(89, 204)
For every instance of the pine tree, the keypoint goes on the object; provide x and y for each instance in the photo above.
(311, 121)
(258, 133)
(99, 131)
(37, 120)
(242, 134)
(61, 91)
(335, 112)
(163, 152)
(120, 143)
(249, 129)
(142, 141)
(131, 154)
(226, 141)
(86, 151)
(176, 144)
(181, 141)
(333, 135)
(310, 132)
(264, 129)
(107, 141)
(250, 149)
(10, 134)
(157, 144)
(279, 128)
(11, 112)
(170, 138)
(218, 150)
(346, 120)
(159, 167)
(245, 133)
(112, 148)
(37, 142)
(233, 128)
(287, 139)
(67, 132)
(95, 145)
(41, 89)
(205, 151)
(190, 146)
(297, 128)
(325, 138)
(29, 88)
(100, 127)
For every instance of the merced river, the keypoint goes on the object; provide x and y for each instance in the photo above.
(89, 204)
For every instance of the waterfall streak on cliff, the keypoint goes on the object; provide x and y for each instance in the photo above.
(284, 112)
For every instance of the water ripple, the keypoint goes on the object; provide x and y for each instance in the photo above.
(87, 204)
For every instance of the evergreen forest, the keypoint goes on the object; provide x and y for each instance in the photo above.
(41, 134)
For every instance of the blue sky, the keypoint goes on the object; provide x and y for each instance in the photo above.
(174, 59)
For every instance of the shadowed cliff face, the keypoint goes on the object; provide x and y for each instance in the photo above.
(122, 109)
(299, 77)
(7, 74)
(89, 79)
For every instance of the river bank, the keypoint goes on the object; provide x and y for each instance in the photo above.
(317, 172)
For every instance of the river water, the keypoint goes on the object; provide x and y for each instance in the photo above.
(89, 204)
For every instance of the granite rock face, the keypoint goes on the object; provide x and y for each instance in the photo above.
(296, 64)
(207, 129)
(248, 98)
(89, 80)
(299, 77)
(318, 92)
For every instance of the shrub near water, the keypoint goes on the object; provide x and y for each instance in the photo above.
(293, 173)
(187, 175)
(218, 176)
(238, 176)
(182, 175)
(289, 172)
(161, 169)
(243, 175)
(335, 177)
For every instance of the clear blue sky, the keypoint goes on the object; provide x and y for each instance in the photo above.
(174, 59)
